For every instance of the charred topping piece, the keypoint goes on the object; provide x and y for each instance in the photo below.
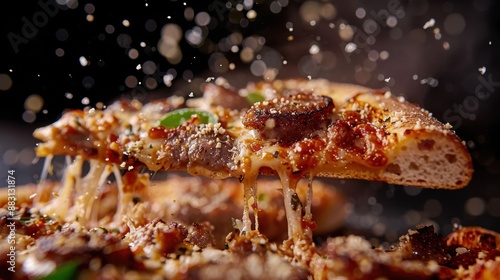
(426, 245)
(290, 118)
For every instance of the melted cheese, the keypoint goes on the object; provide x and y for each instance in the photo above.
(308, 214)
(76, 199)
(282, 161)
(249, 195)
(60, 206)
(94, 204)
(86, 190)
(121, 194)
(293, 216)
(47, 166)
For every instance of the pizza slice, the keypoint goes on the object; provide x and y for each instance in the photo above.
(300, 127)
(290, 128)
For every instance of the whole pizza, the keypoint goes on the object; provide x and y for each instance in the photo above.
(237, 202)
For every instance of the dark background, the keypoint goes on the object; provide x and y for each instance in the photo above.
(440, 68)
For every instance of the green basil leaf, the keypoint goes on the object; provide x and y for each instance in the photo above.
(254, 97)
(261, 197)
(66, 271)
(178, 117)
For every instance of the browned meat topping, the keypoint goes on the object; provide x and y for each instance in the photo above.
(196, 145)
(425, 245)
(201, 235)
(291, 118)
(156, 239)
(249, 243)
